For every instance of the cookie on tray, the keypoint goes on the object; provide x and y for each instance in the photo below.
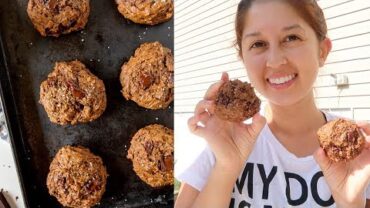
(236, 101)
(149, 12)
(151, 152)
(77, 177)
(57, 17)
(341, 140)
(147, 78)
(72, 94)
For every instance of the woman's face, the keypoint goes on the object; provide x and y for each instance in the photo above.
(280, 52)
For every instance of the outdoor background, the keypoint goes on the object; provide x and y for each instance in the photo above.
(204, 36)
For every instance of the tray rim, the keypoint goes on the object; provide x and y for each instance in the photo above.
(12, 121)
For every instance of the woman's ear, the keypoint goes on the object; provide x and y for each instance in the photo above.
(325, 48)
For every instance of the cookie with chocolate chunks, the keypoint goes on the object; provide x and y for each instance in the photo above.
(72, 94)
(77, 177)
(57, 17)
(151, 152)
(149, 12)
(341, 140)
(236, 101)
(147, 78)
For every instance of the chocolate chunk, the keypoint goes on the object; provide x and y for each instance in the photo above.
(148, 147)
(168, 161)
(165, 163)
(146, 80)
(76, 91)
(161, 165)
(48, 31)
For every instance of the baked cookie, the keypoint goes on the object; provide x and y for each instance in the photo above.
(151, 152)
(341, 140)
(236, 101)
(72, 94)
(56, 17)
(77, 178)
(147, 78)
(149, 12)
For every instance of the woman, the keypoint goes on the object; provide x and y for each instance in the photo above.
(276, 160)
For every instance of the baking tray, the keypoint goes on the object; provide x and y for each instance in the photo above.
(107, 41)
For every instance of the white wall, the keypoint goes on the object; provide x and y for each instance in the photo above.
(204, 35)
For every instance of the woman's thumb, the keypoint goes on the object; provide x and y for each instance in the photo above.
(258, 122)
(322, 159)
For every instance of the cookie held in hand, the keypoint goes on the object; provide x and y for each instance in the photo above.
(236, 101)
(341, 140)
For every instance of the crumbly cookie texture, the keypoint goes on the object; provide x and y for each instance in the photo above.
(72, 94)
(151, 152)
(149, 12)
(77, 178)
(147, 78)
(341, 140)
(57, 17)
(236, 101)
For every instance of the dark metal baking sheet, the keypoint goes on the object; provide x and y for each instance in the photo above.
(104, 45)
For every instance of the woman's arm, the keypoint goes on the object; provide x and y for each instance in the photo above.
(186, 197)
(216, 193)
(231, 144)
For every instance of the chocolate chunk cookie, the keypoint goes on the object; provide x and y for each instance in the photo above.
(77, 178)
(147, 78)
(72, 94)
(151, 152)
(341, 140)
(56, 17)
(149, 12)
(236, 101)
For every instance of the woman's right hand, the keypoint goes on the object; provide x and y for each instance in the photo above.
(231, 142)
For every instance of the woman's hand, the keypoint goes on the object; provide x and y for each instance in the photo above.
(231, 142)
(348, 180)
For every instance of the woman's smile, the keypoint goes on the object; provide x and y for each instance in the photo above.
(282, 81)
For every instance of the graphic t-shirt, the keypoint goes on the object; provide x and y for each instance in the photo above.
(272, 177)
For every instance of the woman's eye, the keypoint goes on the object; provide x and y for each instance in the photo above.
(290, 38)
(259, 44)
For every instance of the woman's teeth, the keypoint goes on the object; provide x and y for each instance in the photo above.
(281, 80)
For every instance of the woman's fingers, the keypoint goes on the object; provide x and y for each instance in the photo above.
(254, 129)
(194, 127)
(204, 118)
(225, 77)
(205, 106)
(203, 112)
(367, 142)
(213, 89)
(258, 122)
(365, 126)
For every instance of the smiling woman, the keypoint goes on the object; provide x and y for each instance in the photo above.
(283, 45)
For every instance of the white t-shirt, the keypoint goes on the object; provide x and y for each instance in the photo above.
(272, 177)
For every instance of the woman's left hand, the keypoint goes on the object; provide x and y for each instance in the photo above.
(349, 180)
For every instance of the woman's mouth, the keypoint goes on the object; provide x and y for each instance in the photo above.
(282, 81)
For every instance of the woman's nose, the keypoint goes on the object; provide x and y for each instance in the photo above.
(275, 58)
